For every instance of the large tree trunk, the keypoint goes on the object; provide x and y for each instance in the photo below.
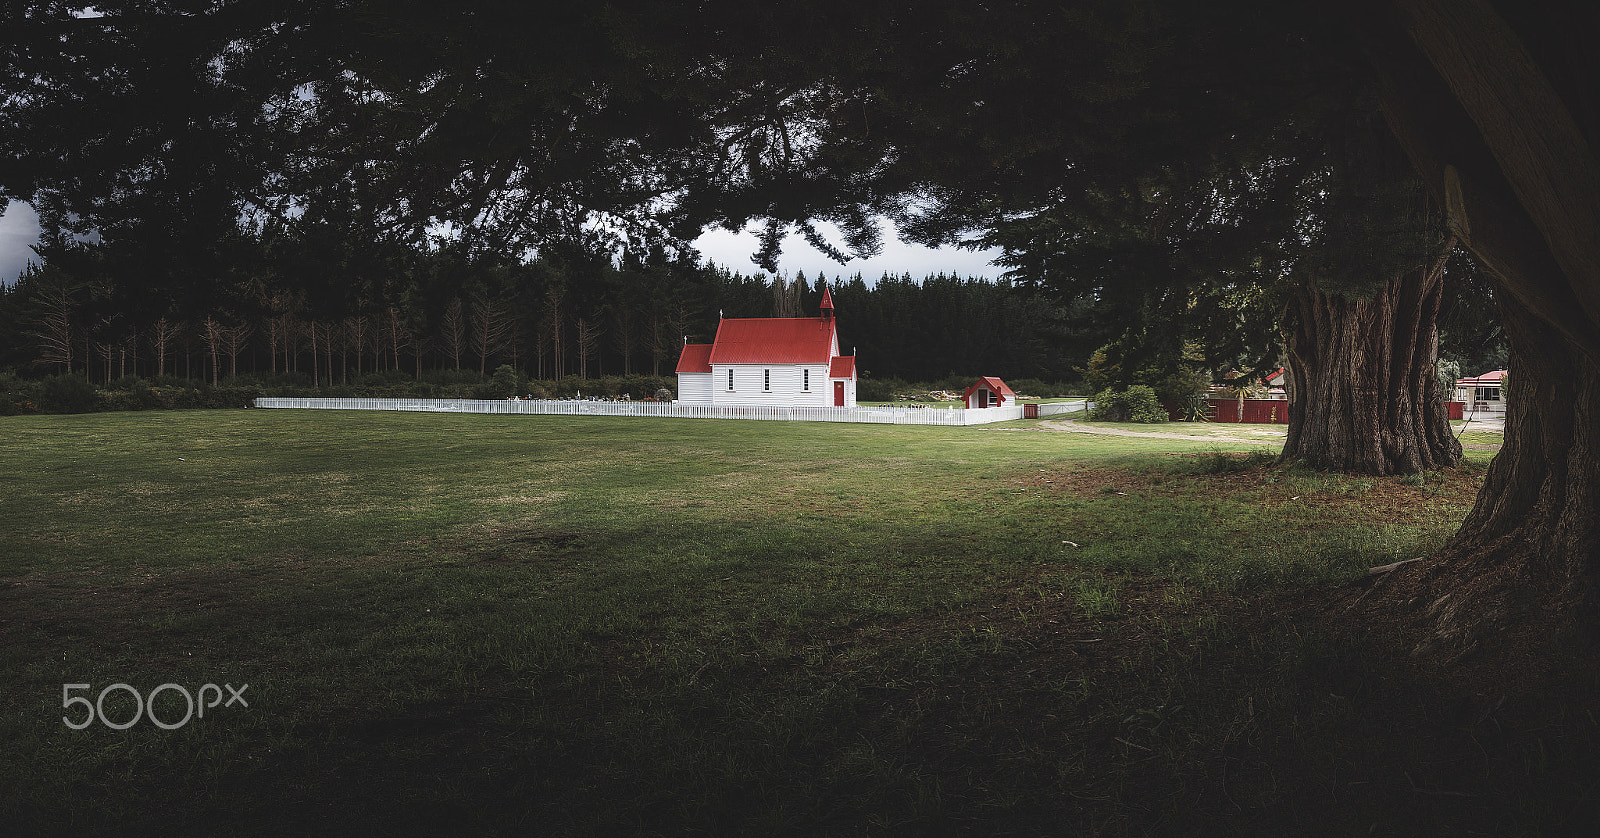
(1530, 548)
(1364, 394)
(1507, 140)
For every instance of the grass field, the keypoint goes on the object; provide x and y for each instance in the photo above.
(602, 626)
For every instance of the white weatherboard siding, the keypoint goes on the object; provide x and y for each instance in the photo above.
(768, 363)
(694, 388)
(775, 385)
(819, 392)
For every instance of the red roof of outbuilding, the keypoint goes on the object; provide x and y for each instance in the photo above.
(1494, 377)
(773, 340)
(696, 357)
(995, 384)
(843, 366)
(992, 383)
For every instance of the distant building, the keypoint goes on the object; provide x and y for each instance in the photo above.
(770, 361)
(1486, 393)
(987, 392)
(1278, 384)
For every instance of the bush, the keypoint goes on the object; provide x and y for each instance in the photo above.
(175, 381)
(283, 381)
(886, 389)
(385, 379)
(451, 376)
(139, 397)
(880, 389)
(66, 394)
(1135, 404)
(504, 384)
(1033, 387)
(16, 396)
(635, 387)
(73, 394)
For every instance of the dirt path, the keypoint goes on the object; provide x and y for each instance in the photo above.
(1262, 437)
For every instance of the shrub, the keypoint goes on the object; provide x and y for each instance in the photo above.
(635, 386)
(1033, 387)
(504, 384)
(1185, 391)
(645, 386)
(16, 396)
(115, 400)
(1099, 372)
(126, 382)
(385, 378)
(66, 394)
(131, 393)
(879, 389)
(1135, 404)
(73, 394)
(451, 376)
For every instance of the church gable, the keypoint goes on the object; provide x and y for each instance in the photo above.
(777, 361)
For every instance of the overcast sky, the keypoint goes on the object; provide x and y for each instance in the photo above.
(19, 228)
(732, 251)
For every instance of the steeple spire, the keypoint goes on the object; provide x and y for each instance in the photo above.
(827, 303)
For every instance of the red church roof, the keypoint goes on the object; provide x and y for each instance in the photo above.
(843, 366)
(773, 340)
(696, 357)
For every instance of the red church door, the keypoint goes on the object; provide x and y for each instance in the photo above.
(838, 394)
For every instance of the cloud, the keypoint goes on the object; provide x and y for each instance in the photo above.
(732, 251)
(19, 229)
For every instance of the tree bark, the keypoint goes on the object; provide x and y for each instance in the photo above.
(1506, 140)
(1364, 395)
(1530, 548)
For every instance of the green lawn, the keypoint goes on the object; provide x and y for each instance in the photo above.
(646, 626)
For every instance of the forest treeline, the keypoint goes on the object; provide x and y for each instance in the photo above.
(547, 319)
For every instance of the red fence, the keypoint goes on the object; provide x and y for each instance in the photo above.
(1270, 411)
(1256, 411)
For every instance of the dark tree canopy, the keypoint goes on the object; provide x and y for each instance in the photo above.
(636, 122)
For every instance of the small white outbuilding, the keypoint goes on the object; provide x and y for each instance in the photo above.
(988, 392)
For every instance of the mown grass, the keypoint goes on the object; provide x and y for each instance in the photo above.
(617, 626)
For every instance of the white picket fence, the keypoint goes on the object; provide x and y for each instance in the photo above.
(871, 415)
(1061, 408)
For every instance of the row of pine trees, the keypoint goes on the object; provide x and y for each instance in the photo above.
(546, 319)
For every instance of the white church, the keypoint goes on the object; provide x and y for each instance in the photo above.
(770, 362)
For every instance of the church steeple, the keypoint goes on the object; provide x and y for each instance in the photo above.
(827, 304)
